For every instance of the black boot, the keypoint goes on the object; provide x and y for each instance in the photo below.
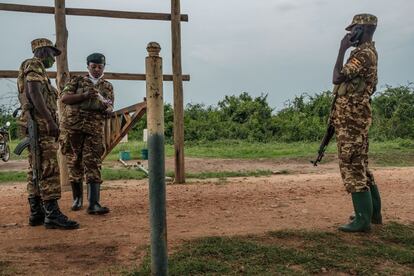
(55, 219)
(362, 202)
(37, 215)
(93, 196)
(376, 206)
(77, 192)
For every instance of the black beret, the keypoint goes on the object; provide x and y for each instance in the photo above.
(96, 58)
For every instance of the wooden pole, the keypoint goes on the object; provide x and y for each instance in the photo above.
(178, 92)
(156, 161)
(92, 12)
(12, 74)
(62, 76)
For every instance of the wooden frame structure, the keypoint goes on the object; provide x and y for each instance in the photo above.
(62, 75)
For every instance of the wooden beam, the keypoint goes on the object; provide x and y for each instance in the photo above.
(131, 109)
(12, 74)
(178, 92)
(114, 124)
(92, 12)
(62, 77)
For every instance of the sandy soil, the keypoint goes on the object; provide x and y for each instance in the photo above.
(195, 165)
(308, 198)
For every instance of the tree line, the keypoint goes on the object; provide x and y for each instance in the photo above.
(303, 118)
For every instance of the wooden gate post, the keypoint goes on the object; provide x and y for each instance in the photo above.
(178, 92)
(62, 76)
(156, 160)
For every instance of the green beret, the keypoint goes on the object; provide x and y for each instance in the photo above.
(96, 58)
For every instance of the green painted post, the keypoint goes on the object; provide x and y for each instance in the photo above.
(156, 160)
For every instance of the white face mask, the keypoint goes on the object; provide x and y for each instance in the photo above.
(95, 80)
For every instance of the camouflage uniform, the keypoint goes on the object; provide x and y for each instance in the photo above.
(352, 117)
(82, 130)
(49, 184)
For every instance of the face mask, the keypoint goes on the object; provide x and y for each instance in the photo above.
(48, 62)
(94, 80)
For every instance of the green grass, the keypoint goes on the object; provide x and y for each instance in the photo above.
(7, 270)
(398, 152)
(12, 176)
(127, 174)
(389, 153)
(224, 174)
(387, 251)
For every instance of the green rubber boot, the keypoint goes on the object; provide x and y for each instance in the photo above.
(376, 206)
(362, 202)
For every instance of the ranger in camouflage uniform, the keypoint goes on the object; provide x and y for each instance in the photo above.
(355, 83)
(38, 99)
(88, 99)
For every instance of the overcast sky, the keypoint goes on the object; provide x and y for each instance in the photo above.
(278, 47)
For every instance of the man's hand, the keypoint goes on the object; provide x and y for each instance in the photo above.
(52, 128)
(108, 112)
(91, 94)
(338, 77)
(346, 42)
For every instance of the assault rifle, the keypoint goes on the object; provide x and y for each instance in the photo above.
(324, 144)
(32, 142)
(330, 131)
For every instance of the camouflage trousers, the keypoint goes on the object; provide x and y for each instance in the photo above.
(49, 178)
(84, 156)
(353, 162)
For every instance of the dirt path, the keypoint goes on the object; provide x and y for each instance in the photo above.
(239, 206)
(196, 165)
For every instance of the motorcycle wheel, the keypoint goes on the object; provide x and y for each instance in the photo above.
(6, 155)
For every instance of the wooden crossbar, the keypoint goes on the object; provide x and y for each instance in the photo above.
(92, 12)
(12, 74)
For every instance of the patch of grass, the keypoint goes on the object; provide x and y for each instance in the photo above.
(225, 174)
(246, 150)
(386, 250)
(122, 174)
(6, 269)
(129, 174)
(12, 176)
(125, 174)
(398, 152)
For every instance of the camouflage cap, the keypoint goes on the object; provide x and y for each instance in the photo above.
(44, 42)
(363, 19)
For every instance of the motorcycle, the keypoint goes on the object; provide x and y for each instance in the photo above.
(4, 140)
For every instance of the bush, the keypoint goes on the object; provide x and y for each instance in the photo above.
(303, 118)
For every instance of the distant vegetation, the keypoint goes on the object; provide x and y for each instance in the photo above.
(303, 118)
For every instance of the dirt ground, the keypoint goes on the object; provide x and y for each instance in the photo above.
(306, 198)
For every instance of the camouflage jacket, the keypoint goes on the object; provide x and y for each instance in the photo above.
(352, 108)
(88, 115)
(33, 70)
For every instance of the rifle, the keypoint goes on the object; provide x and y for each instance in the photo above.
(32, 142)
(330, 131)
(324, 144)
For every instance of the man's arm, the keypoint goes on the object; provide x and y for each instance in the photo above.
(69, 95)
(77, 98)
(35, 96)
(338, 76)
